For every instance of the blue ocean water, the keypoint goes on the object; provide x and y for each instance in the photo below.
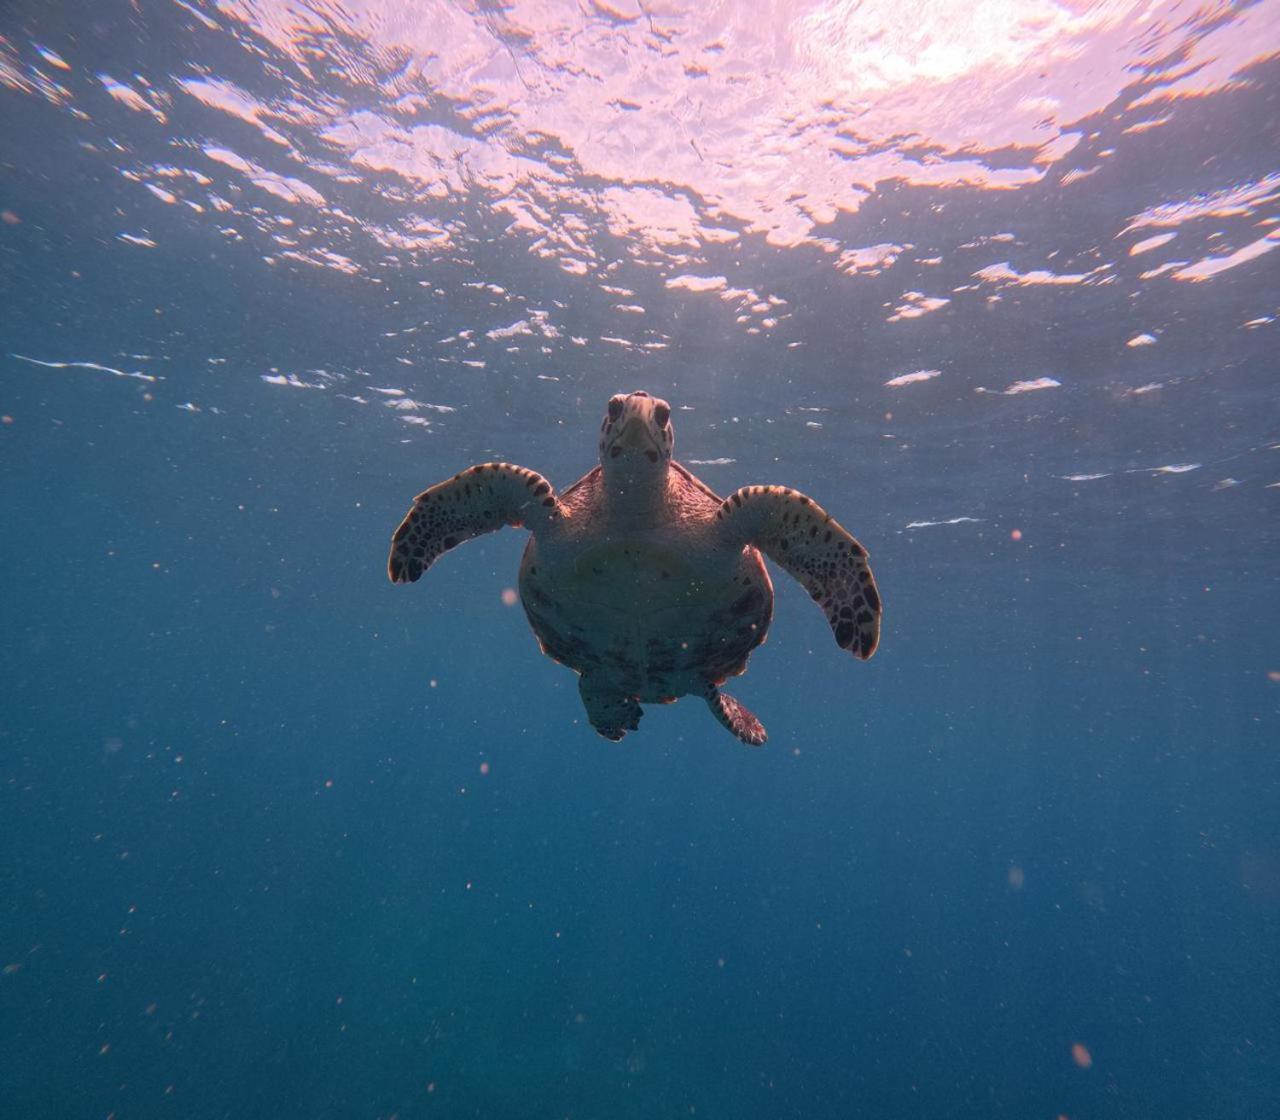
(994, 283)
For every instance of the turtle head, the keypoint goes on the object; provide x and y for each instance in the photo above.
(636, 439)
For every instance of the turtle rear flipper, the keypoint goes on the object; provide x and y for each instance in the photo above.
(735, 716)
(610, 713)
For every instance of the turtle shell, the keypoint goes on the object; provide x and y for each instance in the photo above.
(654, 610)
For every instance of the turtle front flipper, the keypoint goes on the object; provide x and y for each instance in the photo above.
(735, 716)
(479, 500)
(610, 713)
(798, 534)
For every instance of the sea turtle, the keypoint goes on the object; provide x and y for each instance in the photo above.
(641, 578)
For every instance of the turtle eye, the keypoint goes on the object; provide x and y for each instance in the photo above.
(615, 408)
(661, 414)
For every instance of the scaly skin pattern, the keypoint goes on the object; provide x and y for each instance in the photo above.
(799, 535)
(475, 501)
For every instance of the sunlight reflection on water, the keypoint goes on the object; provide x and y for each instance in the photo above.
(668, 125)
(667, 166)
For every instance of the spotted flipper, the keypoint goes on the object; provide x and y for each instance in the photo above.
(610, 713)
(479, 500)
(798, 534)
(734, 716)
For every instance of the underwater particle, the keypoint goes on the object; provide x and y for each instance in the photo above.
(1016, 535)
(931, 524)
(9, 218)
(10, 969)
(1016, 877)
(1142, 390)
(1274, 676)
(1080, 1055)
(484, 768)
(328, 783)
(6, 419)
(1142, 340)
(509, 597)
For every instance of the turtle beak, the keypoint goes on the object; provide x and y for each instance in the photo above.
(635, 433)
